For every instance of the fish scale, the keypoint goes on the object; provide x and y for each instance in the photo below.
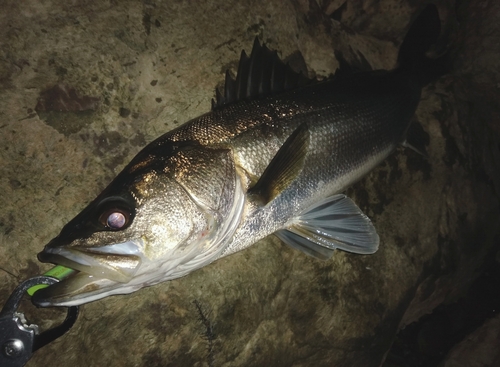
(348, 137)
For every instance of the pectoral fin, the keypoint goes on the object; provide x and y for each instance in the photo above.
(334, 223)
(284, 167)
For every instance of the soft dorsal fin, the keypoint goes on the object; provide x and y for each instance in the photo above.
(356, 64)
(261, 73)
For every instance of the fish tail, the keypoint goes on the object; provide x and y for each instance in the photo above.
(418, 54)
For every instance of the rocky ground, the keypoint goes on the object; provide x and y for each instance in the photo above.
(84, 85)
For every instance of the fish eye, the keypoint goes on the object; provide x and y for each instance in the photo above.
(115, 214)
(116, 220)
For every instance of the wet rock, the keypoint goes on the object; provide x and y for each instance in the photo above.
(479, 349)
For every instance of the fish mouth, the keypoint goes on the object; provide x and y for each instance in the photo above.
(99, 272)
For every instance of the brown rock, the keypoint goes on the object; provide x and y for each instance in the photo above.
(479, 349)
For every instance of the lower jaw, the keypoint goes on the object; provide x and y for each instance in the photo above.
(74, 290)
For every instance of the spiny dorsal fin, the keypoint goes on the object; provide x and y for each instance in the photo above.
(261, 73)
(283, 168)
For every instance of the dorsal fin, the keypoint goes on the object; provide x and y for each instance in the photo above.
(260, 74)
(356, 64)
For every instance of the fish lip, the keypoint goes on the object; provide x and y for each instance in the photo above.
(75, 290)
(99, 270)
(118, 262)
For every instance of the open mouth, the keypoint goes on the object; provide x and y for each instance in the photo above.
(74, 290)
(100, 271)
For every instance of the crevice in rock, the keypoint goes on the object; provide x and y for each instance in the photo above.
(427, 342)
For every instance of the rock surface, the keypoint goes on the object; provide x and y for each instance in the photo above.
(83, 86)
(479, 349)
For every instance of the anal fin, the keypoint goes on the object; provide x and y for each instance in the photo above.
(305, 245)
(417, 139)
(333, 223)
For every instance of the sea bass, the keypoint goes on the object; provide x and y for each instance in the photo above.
(271, 157)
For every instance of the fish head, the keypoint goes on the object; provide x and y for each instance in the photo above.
(156, 221)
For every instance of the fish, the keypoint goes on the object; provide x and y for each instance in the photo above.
(272, 157)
